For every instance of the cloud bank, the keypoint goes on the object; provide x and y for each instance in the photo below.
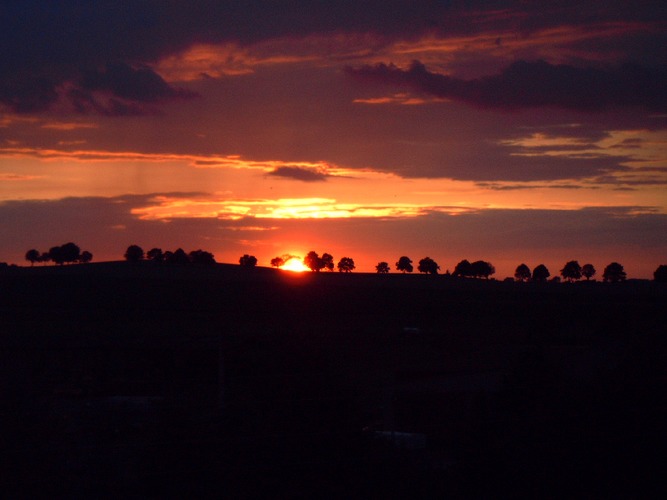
(535, 84)
(72, 45)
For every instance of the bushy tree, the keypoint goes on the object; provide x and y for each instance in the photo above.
(277, 262)
(541, 273)
(404, 265)
(248, 260)
(428, 266)
(177, 257)
(382, 267)
(45, 257)
(32, 256)
(614, 273)
(482, 269)
(202, 257)
(572, 271)
(313, 261)
(463, 269)
(522, 273)
(155, 255)
(660, 274)
(134, 253)
(327, 261)
(85, 257)
(56, 255)
(345, 265)
(588, 271)
(69, 252)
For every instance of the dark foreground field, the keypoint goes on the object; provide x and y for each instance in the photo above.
(122, 380)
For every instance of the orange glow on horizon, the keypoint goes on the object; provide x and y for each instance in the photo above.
(295, 265)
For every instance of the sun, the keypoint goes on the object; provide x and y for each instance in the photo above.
(295, 264)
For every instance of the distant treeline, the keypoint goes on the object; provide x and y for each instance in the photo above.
(572, 271)
(68, 253)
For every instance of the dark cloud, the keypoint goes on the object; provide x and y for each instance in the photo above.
(535, 84)
(121, 90)
(639, 177)
(27, 94)
(299, 174)
(496, 186)
(47, 44)
(118, 89)
(493, 162)
(140, 84)
(632, 143)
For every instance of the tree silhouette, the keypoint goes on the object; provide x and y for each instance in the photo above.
(428, 266)
(327, 262)
(463, 269)
(178, 257)
(660, 274)
(32, 256)
(201, 257)
(313, 261)
(541, 274)
(134, 253)
(345, 265)
(382, 267)
(588, 271)
(613, 273)
(277, 262)
(56, 255)
(572, 271)
(85, 257)
(248, 260)
(70, 252)
(155, 255)
(404, 265)
(482, 269)
(522, 273)
(45, 257)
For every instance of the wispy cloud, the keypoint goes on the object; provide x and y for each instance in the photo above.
(402, 98)
(275, 167)
(168, 207)
(636, 157)
(509, 186)
(67, 126)
(526, 84)
(300, 173)
(17, 177)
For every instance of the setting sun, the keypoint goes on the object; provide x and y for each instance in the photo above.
(295, 264)
(370, 136)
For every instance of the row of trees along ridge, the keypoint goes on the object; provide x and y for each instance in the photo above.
(135, 253)
(571, 272)
(67, 253)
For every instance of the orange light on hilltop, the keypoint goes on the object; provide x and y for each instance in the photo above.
(295, 264)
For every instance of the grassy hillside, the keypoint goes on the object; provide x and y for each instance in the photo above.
(151, 379)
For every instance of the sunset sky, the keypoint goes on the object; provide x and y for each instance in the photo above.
(511, 132)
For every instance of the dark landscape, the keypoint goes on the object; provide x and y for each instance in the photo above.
(134, 380)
